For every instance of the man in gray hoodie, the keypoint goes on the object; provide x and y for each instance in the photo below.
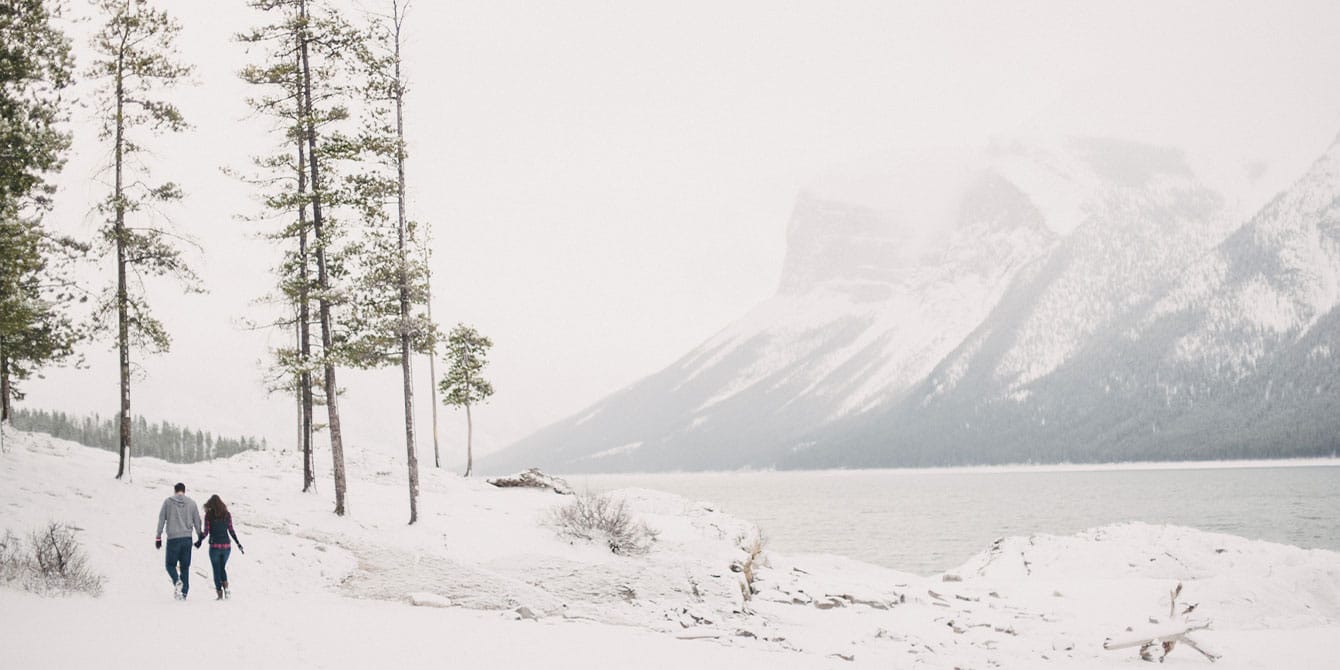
(179, 515)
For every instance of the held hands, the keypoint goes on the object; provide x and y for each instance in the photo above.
(197, 542)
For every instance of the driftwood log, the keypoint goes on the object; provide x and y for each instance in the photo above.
(1158, 640)
(534, 479)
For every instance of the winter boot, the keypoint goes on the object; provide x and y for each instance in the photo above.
(176, 591)
(218, 594)
(226, 594)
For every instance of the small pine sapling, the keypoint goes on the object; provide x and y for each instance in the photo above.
(464, 384)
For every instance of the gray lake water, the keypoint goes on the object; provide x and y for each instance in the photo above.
(929, 521)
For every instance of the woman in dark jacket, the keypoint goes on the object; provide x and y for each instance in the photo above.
(218, 526)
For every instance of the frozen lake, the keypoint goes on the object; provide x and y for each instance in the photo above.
(932, 520)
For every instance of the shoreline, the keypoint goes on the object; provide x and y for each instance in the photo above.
(1306, 462)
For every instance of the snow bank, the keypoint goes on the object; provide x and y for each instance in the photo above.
(1246, 584)
(494, 584)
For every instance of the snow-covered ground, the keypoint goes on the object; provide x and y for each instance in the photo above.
(316, 590)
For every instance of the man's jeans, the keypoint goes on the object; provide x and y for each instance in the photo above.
(179, 551)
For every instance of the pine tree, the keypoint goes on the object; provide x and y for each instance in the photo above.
(312, 38)
(283, 182)
(323, 236)
(135, 63)
(408, 329)
(35, 68)
(386, 326)
(464, 384)
(36, 328)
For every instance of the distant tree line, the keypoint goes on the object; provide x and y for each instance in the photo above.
(172, 443)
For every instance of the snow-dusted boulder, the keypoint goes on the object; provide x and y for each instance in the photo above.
(425, 599)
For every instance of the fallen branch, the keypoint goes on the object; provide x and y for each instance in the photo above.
(1157, 641)
(1174, 631)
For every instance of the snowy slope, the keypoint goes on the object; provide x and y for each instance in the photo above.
(1129, 242)
(972, 277)
(314, 590)
(1270, 284)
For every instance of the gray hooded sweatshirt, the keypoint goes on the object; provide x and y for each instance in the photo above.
(180, 515)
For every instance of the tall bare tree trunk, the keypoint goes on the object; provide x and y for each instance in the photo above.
(122, 298)
(432, 364)
(323, 279)
(406, 371)
(469, 441)
(304, 326)
(297, 389)
(5, 409)
(4, 393)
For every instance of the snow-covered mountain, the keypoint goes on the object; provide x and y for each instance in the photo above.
(1229, 355)
(1086, 300)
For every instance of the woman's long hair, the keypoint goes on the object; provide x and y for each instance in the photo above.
(215, 509)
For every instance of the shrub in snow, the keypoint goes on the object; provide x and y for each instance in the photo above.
(752, 546)
(53, 563)
(600, 518)
(11, 557)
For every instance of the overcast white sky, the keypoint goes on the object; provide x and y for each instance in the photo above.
(609, 182)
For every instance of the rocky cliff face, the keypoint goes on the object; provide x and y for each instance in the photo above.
(1085, 301)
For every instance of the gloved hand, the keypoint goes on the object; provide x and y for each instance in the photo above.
(158, 543)
(197, 542)
(239, 548)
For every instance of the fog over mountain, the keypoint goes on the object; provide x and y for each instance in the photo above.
(1086, 299)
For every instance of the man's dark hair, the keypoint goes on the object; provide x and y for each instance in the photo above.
(179, 488)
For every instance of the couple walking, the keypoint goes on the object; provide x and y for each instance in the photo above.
(179, 515)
